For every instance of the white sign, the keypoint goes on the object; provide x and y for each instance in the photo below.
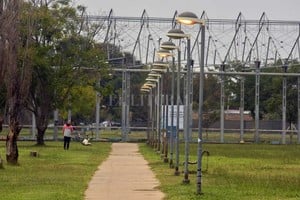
(164, 115)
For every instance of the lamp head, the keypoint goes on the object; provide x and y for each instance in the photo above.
(177, 34)
(150, 84)
(160, 64)
(145, 90)
(160, 67)
(168, 46)
(189, 18)
(154, 74)
(159, 70)
(164, 53)
(144, 86)
(152, 79)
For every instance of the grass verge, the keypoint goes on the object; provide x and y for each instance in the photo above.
(54, 174)
(233, 171)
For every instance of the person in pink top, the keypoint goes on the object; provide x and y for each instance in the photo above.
(67, 132)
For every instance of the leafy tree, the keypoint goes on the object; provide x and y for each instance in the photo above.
(83, 103)
(273, 104)
(211, 98)
(271, 94)
(65, 56)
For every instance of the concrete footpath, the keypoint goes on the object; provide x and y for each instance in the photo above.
(124, 175)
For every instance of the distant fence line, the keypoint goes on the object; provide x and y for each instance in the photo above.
(229, 125)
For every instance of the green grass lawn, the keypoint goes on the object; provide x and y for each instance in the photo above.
(235, 171)
(55, 174)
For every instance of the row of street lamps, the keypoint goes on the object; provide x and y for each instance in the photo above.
(154, 78)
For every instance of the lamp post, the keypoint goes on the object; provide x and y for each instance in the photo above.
(189, 18)
(163, 53)
(161, 68)
(201, 88)
(150, 86)
(179, 34)
(257, 86)
(148, 90)
(284, 89)
(170, 46)
(178, 112)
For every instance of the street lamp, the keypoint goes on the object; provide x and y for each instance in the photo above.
(170, 46)
(152, 79)
(161, 68)
(149, 84)
(179, 34)
(189, 18)
(147, 88)
(165, 53)
(154, 111)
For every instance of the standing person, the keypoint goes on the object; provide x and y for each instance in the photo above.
(67, 131)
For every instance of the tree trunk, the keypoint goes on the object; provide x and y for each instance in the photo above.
(12, 152)
(17, 76)
(41, 122)
(40, 137)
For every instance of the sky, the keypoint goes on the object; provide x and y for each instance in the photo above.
(215, 9)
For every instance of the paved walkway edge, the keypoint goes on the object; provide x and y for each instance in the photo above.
(124, 175)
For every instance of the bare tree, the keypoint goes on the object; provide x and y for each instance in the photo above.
(15, 70)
